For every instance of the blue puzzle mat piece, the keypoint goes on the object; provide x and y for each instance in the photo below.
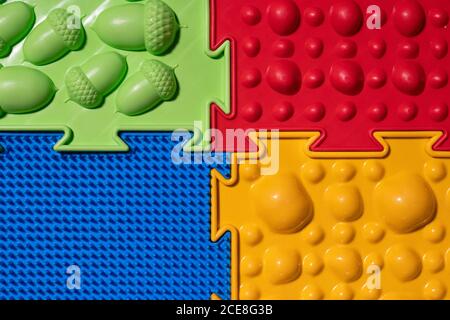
(135, 223)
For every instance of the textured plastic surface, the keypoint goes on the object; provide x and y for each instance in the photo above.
(315, 65)
(87, 105)
(313, 230)
(136, 224)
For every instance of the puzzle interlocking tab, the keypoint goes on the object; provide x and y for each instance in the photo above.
(93, 68)
(327, 66)
(337, 225)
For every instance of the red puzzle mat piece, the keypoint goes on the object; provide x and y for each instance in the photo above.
(316, 65)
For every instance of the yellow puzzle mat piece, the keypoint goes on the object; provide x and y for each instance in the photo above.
(310, 225)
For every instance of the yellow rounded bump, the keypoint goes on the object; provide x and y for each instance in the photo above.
(251, 235)
(406, 202)
(314, 234)
(343, 233)
(434, 290)
(343, 171)
(434, 232)
(373, 170)
(281, 264)
(341, 291)
(251, 266)
(373, 232)
(249, 291)
(433, 261)
(313, 172)
(250, 172)
(311, 292)
(283, 203)
(403, 262)
(373, 258)
(344, 202)
(312, 264)
(370, 294)
(345, 262)
(435, 170)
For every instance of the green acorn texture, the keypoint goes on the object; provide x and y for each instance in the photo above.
(53, 38)
(154, 83)
(89, 84)
(16, 20)
(161, 27)
(152, 26)
(24, 90)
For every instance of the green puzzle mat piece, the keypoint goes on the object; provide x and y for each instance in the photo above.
(203, 78)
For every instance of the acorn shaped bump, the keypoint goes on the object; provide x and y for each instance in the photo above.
(152, 26)
(89, 84)
(24, 90)
(53, 38)
(154, 83)
(161, 27)
(122, 27)
(16, 20)
(81, 90)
